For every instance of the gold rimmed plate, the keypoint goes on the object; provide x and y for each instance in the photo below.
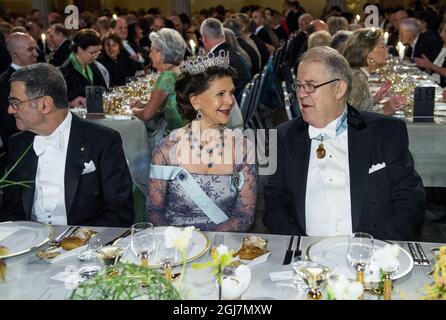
(333, 251)
(198, 245)
(20, 237)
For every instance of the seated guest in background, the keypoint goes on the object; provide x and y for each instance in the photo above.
(59, 43)
(251, 50)
(167, 52)
(189, 183)
(319, 39)
(300, 38)
(339, 39)
(438, 66)
(252, 39)
(365, 51)
(214, 41)
(77, 169)
(418, 44)
(103, 25)
(23, 51)
(119, 65)
(336, 24)
(230, 38)
(120, 27)
(341, 170)
(80, 71)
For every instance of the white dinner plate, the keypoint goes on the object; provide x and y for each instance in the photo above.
(20, 237)
(198, 245)
(333, 252)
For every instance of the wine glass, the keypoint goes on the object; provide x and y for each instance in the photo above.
(143, 241)
(314, 275)
(360, 252)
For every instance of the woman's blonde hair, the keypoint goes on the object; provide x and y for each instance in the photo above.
(359, 44)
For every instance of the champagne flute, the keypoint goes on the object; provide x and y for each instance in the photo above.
(360, 253)
(143, 241)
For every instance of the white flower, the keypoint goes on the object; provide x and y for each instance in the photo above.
(177, 238)
(386, 258)
(345, 289)
(222, 249)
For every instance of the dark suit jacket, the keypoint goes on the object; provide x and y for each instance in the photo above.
(61, 54)
(255, 58)
(121, 68)
(100, 198)
(264, 36)
(7, 121)
(427, 45)
(5, 58)
(264, 53)
(388, 203)
(235, 61)
(281, 33)
(76, 82)
(295, 47)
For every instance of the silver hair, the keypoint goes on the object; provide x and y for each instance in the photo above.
(54, 85)
(171, 45)
(303, 16)
(334, 62)
(234, 25)
(412, 25)
(339, 37)
(212, 28)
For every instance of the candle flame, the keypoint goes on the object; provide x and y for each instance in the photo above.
(115, 16)
(358, 18)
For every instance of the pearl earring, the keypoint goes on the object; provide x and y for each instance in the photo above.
(199, 115)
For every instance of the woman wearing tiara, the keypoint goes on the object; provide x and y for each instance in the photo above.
(204, 174)
(167, 52)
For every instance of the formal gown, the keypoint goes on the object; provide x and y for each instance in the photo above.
(169, 204)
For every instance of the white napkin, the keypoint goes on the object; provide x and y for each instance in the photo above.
(68, 254)
(258, 260)
(4, 233)
(282, 275)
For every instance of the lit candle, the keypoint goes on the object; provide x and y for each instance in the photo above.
(401, 50)
(193, 45)
(358, 18)
(386, 37)
(115, 16)
(43, 37)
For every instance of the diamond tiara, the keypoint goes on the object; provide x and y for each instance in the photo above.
(202, 63)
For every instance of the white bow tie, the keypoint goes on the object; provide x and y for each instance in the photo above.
(41, 143)
(319, 132)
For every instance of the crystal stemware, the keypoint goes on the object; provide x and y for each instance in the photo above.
(360, 253)
(143, 241)
(314, 275)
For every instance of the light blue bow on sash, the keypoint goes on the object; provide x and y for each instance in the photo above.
(193, 190)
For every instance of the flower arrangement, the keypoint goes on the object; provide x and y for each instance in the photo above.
(341, 288)
(437, 290)
(221, 257)
(128, 282)
(386, 259)
(179, 239)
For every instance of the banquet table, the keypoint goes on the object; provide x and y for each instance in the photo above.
(426, 139)
(32, 277)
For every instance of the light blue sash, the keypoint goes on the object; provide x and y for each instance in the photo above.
(191, 187)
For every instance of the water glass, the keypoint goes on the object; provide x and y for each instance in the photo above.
(143, 241)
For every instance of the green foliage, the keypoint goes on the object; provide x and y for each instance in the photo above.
(126, 281)
(4, 182)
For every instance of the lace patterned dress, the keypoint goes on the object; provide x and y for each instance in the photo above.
(169, 204)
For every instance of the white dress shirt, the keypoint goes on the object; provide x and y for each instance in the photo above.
(327, 200)
(15, 66)
(49, 197)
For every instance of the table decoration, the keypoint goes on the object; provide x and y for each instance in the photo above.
(342, 288)
(437, 290)
(386, 258)
(116, 101)
(130, 282)
(220, 259)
